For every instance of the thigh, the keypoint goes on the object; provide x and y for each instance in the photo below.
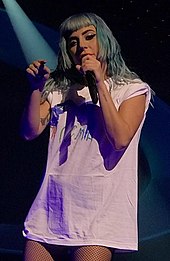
(37, 251)
(92, 253)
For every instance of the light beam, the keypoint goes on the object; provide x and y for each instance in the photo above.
(32, 42)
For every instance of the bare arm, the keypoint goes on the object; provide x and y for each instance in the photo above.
(120, 125)
(36, 115)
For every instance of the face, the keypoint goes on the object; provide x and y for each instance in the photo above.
(83, 42)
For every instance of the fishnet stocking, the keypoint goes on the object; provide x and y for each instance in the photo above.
(36, 251)
(92, 253)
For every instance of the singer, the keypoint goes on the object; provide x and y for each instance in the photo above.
(95, 107)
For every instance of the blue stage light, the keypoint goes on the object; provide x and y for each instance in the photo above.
(33, 45)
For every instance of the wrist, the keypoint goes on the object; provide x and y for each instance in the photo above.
(37, 87)
(35, 94)
(101, 85)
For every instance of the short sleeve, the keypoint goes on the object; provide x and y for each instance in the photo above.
(135, 89)
(54, 96)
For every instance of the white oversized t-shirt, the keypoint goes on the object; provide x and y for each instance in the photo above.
(89, 192)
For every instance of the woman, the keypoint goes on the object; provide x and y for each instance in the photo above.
(96, 107)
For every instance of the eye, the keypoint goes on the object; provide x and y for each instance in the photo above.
(72, 43)
(90, 36)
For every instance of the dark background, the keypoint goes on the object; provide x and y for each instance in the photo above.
(141, 28)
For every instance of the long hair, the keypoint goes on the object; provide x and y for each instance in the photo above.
(109, 52)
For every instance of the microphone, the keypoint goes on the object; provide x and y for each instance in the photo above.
(91, 81)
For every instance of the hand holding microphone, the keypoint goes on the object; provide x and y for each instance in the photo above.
(88, 66)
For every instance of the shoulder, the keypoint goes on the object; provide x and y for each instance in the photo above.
(130, 89)
(133, 89)
(54, 95)
(51, 93)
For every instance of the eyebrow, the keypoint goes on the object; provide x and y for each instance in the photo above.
(86, 31)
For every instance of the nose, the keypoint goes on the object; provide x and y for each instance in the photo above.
(82, 44)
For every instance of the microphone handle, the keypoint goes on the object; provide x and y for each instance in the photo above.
(91, 80)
